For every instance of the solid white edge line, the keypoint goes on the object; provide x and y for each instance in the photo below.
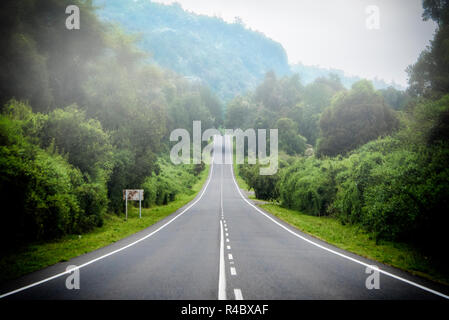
(222, 273)
(238, 294)
(332, 251)
(120, 249)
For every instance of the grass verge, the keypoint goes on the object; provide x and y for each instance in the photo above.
(40, 255)
(356, 240)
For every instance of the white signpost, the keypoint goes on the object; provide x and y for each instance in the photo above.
(133, 195)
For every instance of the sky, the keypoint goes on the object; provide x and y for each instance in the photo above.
(341, 34)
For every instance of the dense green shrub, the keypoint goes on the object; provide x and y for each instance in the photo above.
(308, 185)
(409, 197)
(170, 180)
(264, 186)
(39, 188)
(47, 195)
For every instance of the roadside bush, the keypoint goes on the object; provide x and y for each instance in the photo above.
(170, 180)
(38, 186)
(409, 198)
(265, 186)
(93, 203)
(308, 186)
(352, 181)
(47, 197)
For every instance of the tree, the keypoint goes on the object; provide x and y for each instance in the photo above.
(354, 118)
(83, 140)
(394, 98)
(317, 97)
(437, 10)
(275, 94)
(238, 113)
(41, 60)
(289, 139)
(429, 76)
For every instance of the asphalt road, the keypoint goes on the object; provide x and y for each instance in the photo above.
(220, 246)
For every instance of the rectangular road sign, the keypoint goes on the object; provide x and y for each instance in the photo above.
(133, 194)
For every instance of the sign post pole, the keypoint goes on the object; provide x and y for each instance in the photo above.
(126, 196)
(140, 206)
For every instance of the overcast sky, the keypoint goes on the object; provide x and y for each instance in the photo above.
(333, 33)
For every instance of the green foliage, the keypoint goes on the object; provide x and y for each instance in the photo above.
(396, 99)
(354, 118)
(265, 186)
(289, 140)
(284, 103)
(46, 195)
(83, 140)
(308, 185)
(239, 113)
(429, 76)
(42, 61)
(164, 185)
(437, 10)
(432, 120)
(317, 97)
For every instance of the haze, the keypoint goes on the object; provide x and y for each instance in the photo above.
(333, 33)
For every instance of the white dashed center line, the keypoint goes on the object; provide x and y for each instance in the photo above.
(238, 294)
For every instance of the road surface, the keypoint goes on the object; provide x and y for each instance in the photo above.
(220, 246)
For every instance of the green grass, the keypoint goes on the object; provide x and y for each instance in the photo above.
(242, 183)
(40, 255)
(355, 239)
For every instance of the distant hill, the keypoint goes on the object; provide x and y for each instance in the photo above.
(228, 57)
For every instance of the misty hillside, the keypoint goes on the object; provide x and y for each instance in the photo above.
(228, 57)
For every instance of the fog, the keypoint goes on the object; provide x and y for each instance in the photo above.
(333, 33)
